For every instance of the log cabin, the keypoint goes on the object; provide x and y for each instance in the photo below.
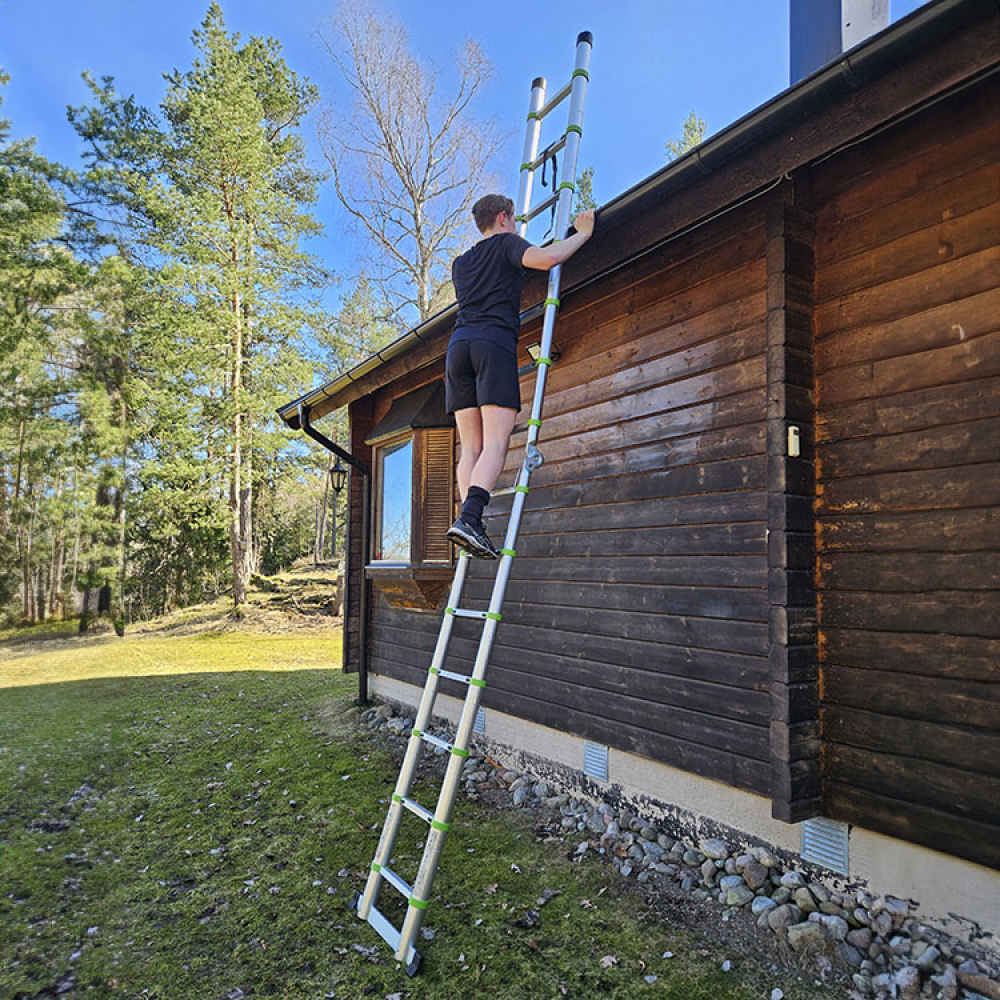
(757, 575)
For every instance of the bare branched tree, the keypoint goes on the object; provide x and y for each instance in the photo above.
(407, 162)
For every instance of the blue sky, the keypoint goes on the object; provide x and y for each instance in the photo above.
(654, 61)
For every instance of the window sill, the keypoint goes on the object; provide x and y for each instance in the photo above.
(419, 588)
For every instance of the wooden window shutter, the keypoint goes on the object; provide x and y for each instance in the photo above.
(437, 478)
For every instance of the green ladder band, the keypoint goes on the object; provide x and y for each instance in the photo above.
(416, 732)
(459, 753)
(533, 422)
(567, 184)
(581, 72)
(449, 611)
(525, 166)
(574, 128)
(508, 552)
(376, 867)
(443, 827)
(521, 489)
(535, 115)
(420, 904)
(493, 616)
(477, 683)
(544, 361)
(551, 302)
(519, 218)
(433, 670)
(397, 798)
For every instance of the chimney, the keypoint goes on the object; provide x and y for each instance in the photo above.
(822, 29)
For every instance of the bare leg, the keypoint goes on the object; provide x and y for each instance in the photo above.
(470, 437)
(496, 427)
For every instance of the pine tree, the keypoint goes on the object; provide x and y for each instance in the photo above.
(694, 133)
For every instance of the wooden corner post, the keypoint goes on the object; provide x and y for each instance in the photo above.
(791, 488)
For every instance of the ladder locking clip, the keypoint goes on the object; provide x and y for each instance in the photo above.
(533, 458)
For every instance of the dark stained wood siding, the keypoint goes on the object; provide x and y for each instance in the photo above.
(637, 613)
(908, 440)
(361, 422)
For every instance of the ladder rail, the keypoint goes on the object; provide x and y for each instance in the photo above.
(403, 940)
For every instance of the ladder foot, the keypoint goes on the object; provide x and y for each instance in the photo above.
(414, 967)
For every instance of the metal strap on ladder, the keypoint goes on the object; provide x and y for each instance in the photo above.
(418, 894)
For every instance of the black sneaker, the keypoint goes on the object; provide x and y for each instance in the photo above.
(472, 538)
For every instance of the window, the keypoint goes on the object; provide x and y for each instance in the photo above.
(413, 493)
(393, 501)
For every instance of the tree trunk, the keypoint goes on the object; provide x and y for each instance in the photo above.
(237, 493)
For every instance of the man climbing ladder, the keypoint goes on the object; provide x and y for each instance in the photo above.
(481, 381)
(418, 895)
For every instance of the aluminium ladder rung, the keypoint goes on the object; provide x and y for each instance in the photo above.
(451, 676)
(556, 100)
(466, 613)
(546, 153)
(417, 809)
(541, 207)
(402, 887)
(388, 932)
(436, 741)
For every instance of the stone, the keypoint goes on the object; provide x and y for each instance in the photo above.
(731, 881)
(792, 880)
(542, 789)
(820, 892)
(738, 895)
(850, 954)
(860, 938)
(805, 936)
(782, 916)
(981, 984)
(647, 832)
(729, 864)
(830, 907)
(907, 982)
(765, 857)
(836, 927)
(687, 884)
(755, 874)
(556, 801)
(762, 904)
(708, 870)
(804, 900)
(595, 823)
(613, 830)
(925, 961)
(900, 945)
(717, 850)
(781, 895)
(521, 795)
(862, 982)
(509, 777)
(948, 983)
(664, 841)
(882, 925)
(693, 858)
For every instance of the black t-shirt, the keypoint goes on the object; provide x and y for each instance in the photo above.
(488, 280)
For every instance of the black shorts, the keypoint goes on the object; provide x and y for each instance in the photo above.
(481, 373)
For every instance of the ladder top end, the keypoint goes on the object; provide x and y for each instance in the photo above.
(539, 81)
(585, 36)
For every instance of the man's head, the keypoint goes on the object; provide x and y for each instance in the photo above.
(486, 210)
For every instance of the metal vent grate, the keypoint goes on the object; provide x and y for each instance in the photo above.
(824, 842)
(595, 760)
(479, 726)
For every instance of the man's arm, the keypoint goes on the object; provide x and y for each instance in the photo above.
(546, 258)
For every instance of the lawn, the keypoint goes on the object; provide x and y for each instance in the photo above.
(188, 816)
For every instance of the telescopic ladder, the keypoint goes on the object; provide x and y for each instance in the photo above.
(418, 894)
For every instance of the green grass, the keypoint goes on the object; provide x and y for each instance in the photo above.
(183, 817)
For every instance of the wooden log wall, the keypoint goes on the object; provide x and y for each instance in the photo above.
(637, 614)
(361, 421)
(908, 439)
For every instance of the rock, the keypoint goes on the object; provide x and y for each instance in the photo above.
(762, 904)
(738, 895)
(860, 938)
(509, 777)
(542, 789)
(782, 916)
(556, 801)
(925, 961)
(882, 925)
(687, 884)
(792, 880)
(820, 892)
(717, 850)
(900, 945)
(830, 907)
(948, 983)
(693, 858)
(755, 875)
(907, 981)
(730, 881)
(836, 927)
(729, 865)
(805, 936)
(850, 954)
(781, 895)
(765, 857)
(664, 841)
(863, 983)
(595, 823)
(804, 900)
(862, 916)
(981, 984)
(647, 832)
(613, 830)
(521, 796)
(708, 871)
(384, 712)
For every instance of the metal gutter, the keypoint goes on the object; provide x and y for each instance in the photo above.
(922, 29)
(366, 474)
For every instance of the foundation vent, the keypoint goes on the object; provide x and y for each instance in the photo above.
(479, 726)
(595, 760)
(824, 842)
